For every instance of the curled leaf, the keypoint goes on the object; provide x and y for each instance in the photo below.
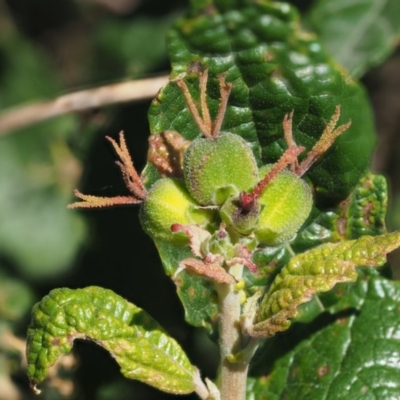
(139, 345)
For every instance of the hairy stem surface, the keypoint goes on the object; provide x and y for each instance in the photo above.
(233, 376)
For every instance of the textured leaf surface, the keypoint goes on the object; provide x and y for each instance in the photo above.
(318, 270)
(351, 355)
(274, 68)
(139, 345)
(269, 260)
(195, 294)
(358, 34)
(362, 213)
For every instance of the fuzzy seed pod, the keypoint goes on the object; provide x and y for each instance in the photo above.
(285, 204)
(167, 203)
(217, 168)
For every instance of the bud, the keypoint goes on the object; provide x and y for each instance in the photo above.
(243, 220)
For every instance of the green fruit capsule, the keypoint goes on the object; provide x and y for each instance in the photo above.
(167, 203)
(285, 204)
(217, 168)
(242, 221)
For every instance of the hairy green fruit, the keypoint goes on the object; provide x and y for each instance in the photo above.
(285, 204)
(216, 168)
(167, 203)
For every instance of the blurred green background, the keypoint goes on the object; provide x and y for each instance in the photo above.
(48, 48)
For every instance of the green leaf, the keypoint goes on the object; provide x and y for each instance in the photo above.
(352, 355)
(139, 345)
(362, 213)
(275, 68)
(195, 294)
(269, 261)
(315, 271)
(358, 34)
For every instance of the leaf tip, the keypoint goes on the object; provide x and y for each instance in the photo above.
(34, 388)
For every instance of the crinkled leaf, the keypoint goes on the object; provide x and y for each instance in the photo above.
(362, 213)
(195, 293)
(358, 34)
(315, 271)
(275, 68)
(139, 345)
(352, 355)
(269, 261)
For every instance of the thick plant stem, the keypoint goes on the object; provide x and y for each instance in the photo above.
(233, 376)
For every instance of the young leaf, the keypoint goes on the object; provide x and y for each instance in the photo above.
(275, 68)
(139, 345)
(359, 34)
(352, 355)
(315, 271)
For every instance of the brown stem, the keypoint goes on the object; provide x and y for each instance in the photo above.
(326, 140)
(288, 135)
(205, 130)
(205, 112)
(225, 91)
(203, 121)
(24, 115)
